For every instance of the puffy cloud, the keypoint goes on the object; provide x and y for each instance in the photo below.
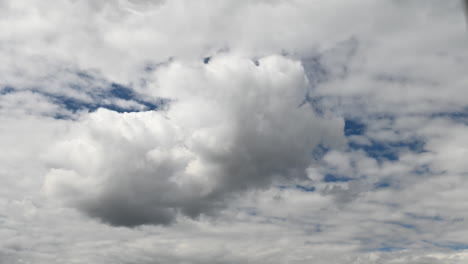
(231, 132)
(231, 126)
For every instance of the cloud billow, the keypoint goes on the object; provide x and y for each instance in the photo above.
(232, 126)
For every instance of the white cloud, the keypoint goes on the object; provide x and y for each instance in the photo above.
(231, 126)
(29, 103)
(234, 139)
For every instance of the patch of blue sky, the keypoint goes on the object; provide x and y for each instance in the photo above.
(456, 246)
(300, 187)
(121, 92)
(125, 93)
(354, 127)
(423, 170)
(389, 150)
(402, 224)
(457, 116)
(370, 245)
(387, 249)
(336, 178)
(74, 105)
(320, 151)
(305, 188)
(383, 184)
(117, 91)
(100, 96)
(435, 218)
(7, 90)
(379, 149)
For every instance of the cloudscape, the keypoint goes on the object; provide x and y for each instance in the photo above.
(232, 131)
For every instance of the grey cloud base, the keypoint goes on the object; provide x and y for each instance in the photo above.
(234, 127)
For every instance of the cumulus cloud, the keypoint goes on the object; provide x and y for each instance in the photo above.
(231, 126)
(233, 109)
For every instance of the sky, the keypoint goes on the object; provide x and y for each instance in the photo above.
(233, 131)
